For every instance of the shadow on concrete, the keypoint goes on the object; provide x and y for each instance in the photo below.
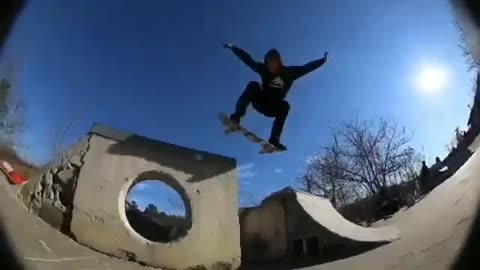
(334, 254)
(340, 248)
(468, 256)
(466, 259)
(199, 164)
(326, 245)
(8, 258)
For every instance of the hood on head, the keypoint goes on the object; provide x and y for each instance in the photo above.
(271, 53)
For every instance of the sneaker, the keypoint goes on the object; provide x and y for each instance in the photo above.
(234, 119)
(277, 144)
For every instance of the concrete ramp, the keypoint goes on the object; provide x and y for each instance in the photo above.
(34, 245)
(322, 211)
(291, 223)
(84, 194)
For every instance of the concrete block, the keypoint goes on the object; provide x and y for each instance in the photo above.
(208, 184)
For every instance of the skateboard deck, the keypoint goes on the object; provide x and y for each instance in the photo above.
(230, 127)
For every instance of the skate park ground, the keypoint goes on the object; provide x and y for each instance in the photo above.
(433, 233)
(434, 230)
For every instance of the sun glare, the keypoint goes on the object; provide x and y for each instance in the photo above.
(432, 79)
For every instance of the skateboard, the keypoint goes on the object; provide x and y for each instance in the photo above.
(231, 127)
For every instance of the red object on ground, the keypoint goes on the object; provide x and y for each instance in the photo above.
(13, 176)
(17, 178)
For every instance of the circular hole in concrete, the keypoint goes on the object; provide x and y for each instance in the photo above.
(157, 211)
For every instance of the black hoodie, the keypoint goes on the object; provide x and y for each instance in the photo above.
(280, 84)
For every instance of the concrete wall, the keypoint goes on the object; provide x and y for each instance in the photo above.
(269, 231)
(263, 233)
(281, 229)
(301, 226)
(208, 183)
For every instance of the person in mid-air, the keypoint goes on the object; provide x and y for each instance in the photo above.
(269, 97)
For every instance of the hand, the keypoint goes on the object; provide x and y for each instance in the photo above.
(325, 55)
(227, 45)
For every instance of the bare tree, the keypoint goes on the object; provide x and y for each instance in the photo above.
(151, 209)
(411, 168)
(323, 176)
(473, 119)
(464, 45)
(467, 38)
(58, 136)
(12, 119)
(361, 160)
(134, 204)
(456, 139)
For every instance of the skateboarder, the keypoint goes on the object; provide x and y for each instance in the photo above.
(269, 97)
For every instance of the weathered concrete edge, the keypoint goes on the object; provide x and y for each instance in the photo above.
(121, 136)
(290, 192)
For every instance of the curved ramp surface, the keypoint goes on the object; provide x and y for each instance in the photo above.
(37, 246)
(434, 231)
(322, 211)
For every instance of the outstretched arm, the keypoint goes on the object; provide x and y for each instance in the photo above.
(299, 71)
(245, 57)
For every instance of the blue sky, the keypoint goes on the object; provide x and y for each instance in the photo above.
(156, 192)
(158, 69)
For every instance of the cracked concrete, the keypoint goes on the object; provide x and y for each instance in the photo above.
(63, 198)
(433, 230)
(50, 195)
(41, 247)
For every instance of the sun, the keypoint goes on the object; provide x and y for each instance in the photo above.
(432, 79)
